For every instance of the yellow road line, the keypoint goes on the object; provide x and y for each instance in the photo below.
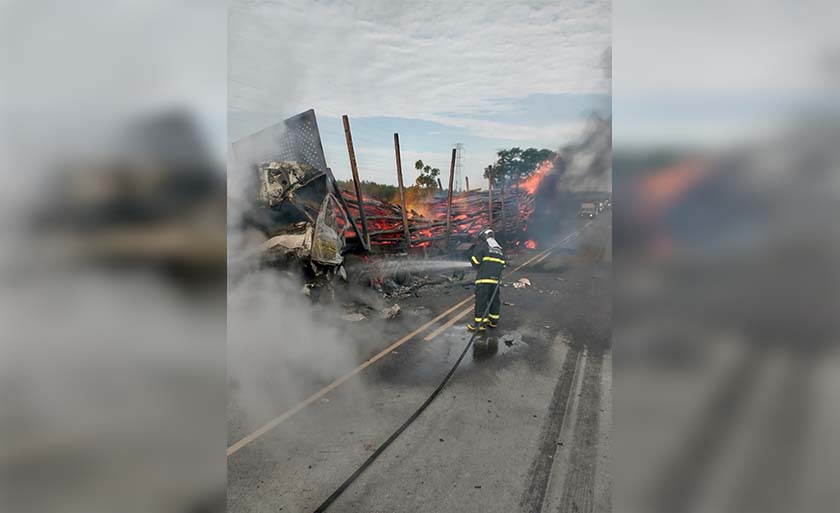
(317, 395)
(444, 327)
(540, 259)
(268, 426)
(547, 251)
(523, 264)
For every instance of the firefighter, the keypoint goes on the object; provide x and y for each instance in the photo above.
(488, 260)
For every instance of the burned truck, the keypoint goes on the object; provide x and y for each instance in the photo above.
(290, 198)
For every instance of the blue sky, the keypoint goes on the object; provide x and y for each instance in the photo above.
(488, 74)
(433, 141)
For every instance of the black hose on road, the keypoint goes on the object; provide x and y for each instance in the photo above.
(379, 450)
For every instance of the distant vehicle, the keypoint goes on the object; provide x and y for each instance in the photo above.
(588, 210)
(601, 206)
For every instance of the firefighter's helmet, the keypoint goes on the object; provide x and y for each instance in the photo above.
(485, 234)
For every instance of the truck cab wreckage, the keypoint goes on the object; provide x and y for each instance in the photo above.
(312, 217)
(292, 199)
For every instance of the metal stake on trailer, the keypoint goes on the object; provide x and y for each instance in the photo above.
(402, 191)
(490, 196)
(356, 184)
(504, 220)
(449, 199)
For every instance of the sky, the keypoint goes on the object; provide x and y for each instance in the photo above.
(718, 73)
(487, 74)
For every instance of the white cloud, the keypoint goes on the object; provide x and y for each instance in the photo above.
(550, 135)
(722, 46)
(704, 55)
(435, 60)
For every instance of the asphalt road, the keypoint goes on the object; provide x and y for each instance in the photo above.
(523, 425)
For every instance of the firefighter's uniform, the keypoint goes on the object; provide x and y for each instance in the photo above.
(488, 260)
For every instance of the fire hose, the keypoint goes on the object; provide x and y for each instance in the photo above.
(379, 450)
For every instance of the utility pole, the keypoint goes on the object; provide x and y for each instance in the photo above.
(459, 164)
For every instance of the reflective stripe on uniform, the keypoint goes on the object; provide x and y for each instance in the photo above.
(477, 319)
(494, 317)
(493, 259)
(486, 280)
(475, 260)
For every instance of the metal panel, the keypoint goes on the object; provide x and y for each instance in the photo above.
(301, 141)
(295, 139)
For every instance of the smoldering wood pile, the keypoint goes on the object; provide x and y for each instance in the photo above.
(512, 207)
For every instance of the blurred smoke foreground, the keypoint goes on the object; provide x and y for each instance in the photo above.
(155, 202)
(113, 255)
(113, 363)
(727, 366)
(726, 244)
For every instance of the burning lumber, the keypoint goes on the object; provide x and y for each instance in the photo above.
(512, 207)
(291, 198)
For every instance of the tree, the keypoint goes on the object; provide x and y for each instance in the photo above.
(428, 175)
(515, 163)
(371, 190)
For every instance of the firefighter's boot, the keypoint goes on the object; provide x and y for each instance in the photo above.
(476, 325)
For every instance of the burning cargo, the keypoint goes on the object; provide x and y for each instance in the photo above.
(291, 199)
(506, 210)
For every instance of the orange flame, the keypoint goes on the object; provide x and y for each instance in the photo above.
(533, 182)
(416, 199)
(531, 244)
